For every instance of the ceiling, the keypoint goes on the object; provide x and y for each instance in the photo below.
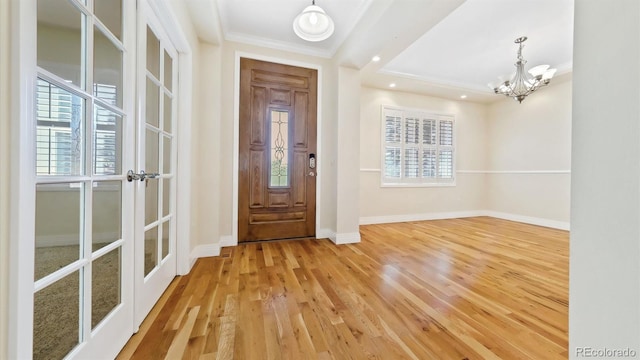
(443, 48)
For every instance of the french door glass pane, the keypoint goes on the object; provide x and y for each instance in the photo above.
(105, 285)
(150, 250)
(152, 149)
(166, 155)
(60, 41)
(168, 71)
(57, 226)
(107, 70)
(60, 131)
(107, 213)
(167, 114)
(151, 201)
(110, 14)
(165, 238)
(153, 53)
(107, 142)
(56, 315)
(153, 103)
(166, 191)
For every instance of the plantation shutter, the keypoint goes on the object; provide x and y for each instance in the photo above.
(418, 147)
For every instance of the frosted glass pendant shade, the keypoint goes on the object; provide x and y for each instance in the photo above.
(538, 70)
(313, 24)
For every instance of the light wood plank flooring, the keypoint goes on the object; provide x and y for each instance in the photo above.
(474, 288)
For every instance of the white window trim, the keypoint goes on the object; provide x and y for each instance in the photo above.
(419, 182)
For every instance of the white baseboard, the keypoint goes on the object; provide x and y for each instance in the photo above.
(325, 234)
(562, 225)
(346, 238)
(209, 250)
(201, 251)
(418, 217)
(227, 240)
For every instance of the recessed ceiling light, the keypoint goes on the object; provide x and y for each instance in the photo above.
(375, 58)
(392, 85)
(463, 96)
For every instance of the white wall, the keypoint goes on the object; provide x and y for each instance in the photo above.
(529, 156)
(206, 150)
(347, 186)
(390, 204)
(4, 175)
(604, 283)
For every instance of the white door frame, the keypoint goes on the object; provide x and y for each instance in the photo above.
(236, 138)
(22, 177)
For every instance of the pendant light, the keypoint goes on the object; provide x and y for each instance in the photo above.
(313, 24)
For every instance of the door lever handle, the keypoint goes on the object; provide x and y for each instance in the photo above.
(141, 176)
(133, 176)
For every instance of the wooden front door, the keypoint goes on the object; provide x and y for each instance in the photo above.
(277, 162)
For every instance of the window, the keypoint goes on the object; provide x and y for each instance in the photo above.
(418, 148)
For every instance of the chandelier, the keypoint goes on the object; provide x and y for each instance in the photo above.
(521, 84)
(313, 24)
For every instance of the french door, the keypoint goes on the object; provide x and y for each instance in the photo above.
(155, 205)
(83, 228)
(100, 246)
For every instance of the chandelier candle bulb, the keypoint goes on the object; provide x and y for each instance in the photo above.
(521, 85)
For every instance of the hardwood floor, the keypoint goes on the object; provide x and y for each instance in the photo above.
(474, 288)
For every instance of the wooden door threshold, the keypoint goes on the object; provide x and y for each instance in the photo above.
(277, 240)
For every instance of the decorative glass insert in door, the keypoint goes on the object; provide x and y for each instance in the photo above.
(279, 166)
(79, 181)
